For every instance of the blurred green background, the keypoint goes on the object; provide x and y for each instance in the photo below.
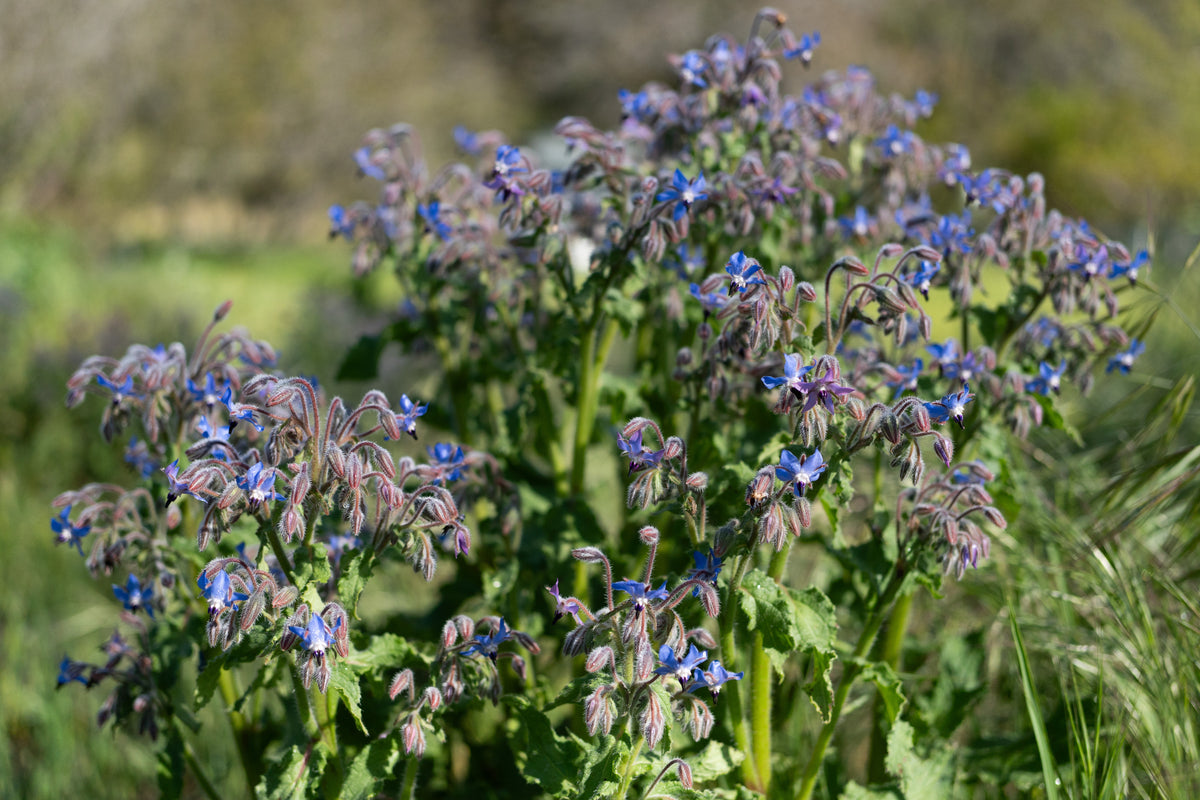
(157, 158)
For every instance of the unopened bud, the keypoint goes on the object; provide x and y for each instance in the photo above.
(222, 310)
(652, 720)
(685, 773)
(702, 637)
(787, 278)
(672, 447)
(599, 658)
(588, 555)
(697, 481)
(852, 265)
(403, 682)
(413, 737)
(684, 357)
(806, 292)
(995, 517)
(648, 535)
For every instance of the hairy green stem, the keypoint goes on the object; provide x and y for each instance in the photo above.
(891, 647)
(627, 770)
(731, 692)
(229, 694)
(594, 350)
(198, 772)
(874, 622)
(760, 684)
(409, 788)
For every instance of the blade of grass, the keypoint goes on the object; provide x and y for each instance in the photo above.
(1033, 706)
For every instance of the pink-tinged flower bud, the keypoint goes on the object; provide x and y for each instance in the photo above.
(291, 523)
(402, 682)
(643, 656)
(252, 609)
(888, 299)
(806, 292)
(927, 253)
(852, 265)
(222, 310)
(803, 511)
(944, 448)
(672, 447)
(433, 697)
(684, 357)
(598, 711)
(526, 641)
(700, 720)
(697, 482)
(995, 517)
(648, 535)
(414, 737)
(449, 635)
(635, 425)
(323, 674)
(285, 597)
(950, 529)
(599, 658)
(702, 637)
(684, 772)
(652, 721)
(709, 600)
(174, 516)
(920, 418)
(760, 488)
(588, 555)
(576, 640)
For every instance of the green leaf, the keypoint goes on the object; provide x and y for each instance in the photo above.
(362, 361)
(499, 583)
(312, 567)
(373, 764)
(715, 761)
(553, 762)
(1033, 706)
(793, 621)
(1053, 419)
(920, 778)
(170, 768)
(286, 777)
(855, 792)
(344, 681)
(356, 571)
(891, 688)
(386, 650)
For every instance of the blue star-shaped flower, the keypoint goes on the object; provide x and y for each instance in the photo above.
(133, 596)
(708, 567)
(432, 214)
(952, 406)
(683, 193)
(641, 593)
(238, 411)
(1123, 361)
(801, 472)
(714, 677)
(640, 457)
(448, 462)
(219, 592)
(317, 636)
(67, 533)
(681, 668)
(803, 51)
(259, 485)
(409, 411)
(743, 273)
(176, 487)
(711, 302)
(489, 644)
(792, 375)
(922, 277)
(692, 68)
(1048, 379)
(207, 395)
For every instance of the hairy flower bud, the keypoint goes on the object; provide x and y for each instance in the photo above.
(697, 482)
(648, 535)
(588, 555)
(599, 658)
(701, 637)
(414, 737)
(652, 721)
(402, 682)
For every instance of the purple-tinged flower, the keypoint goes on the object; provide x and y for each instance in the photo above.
(681, 668)
(489, 644)
(686, 260)
(952, 406)
(923, 277)
(683, 193)
(711, 302)
(801, 472)
(448, 462)
(1130, 270)
(206, 429)
(133, 596)
(952, 234)
(175, 487)
(714, 677)
(945, 355)
(1044, 331)
(119, 393)
(69, 671)
(636, 106)
(367, 165)
(1090, 262)
(924, 102)
(708, 567)
(219, 592)
(238, 411)
(508, 163)
(432, 214)
(859, 226)
(137, 455)
(823, 390)
(988, 188)
(564, 605)
(895, 141)
(803, 51)
(641, 593)
(317, 636)
(743, 273)
(955, 165)
(640, 457)
(1048, 379)
(1123, 361)
(406, 420)
(692, 68)
(792, 374)
(907, 377)
(206, 395)
(341, 223)
(259, 485)
(467, 140)
(68, 533)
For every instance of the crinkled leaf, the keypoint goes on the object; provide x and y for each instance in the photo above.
(356, 571)
(344, 681)
(312, 565)
(715, 761)
(553, 762)
(374, 763)
(891, 688)
(920, 778)
(820, 686)
(287, 775)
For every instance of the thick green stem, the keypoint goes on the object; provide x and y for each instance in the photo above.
(890, 650)
(760, 684)
(595, 353)
(627, 771)
(409, 787)
(882, 607)
(198, 772)
(229, 693)
(731, 693)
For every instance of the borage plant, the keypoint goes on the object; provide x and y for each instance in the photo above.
(837, 332)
